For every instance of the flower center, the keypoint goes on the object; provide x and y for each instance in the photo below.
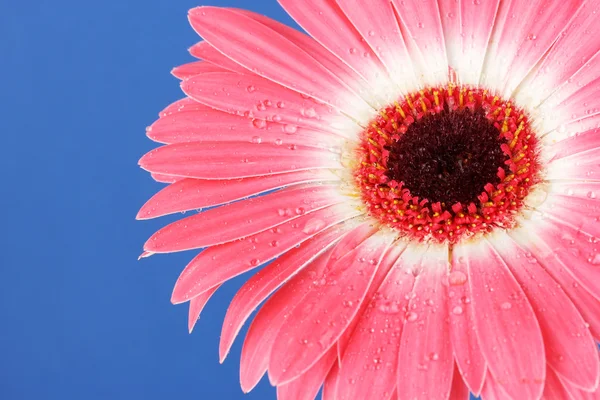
(447, 163)
(447, 157)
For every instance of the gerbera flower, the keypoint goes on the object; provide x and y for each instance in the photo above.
(428, 175)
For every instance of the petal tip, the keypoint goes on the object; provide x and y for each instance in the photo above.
(145, 254)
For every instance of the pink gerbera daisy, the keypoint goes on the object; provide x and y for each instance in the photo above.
(428, 172)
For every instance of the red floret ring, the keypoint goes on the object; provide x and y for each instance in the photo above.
(415, 150)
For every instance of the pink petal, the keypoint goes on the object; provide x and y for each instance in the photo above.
(262, 50)
(425, 360)
(316, 51)
(507, 330)
(235, 160)
(422, 22)
(183, 105)
(554, 389)
(330, 385)
(196, 126)
(307, 385)
(390, 257)
(578, 212)
(316, 324)
(574, 145)
(577, 394)
(166, 178)
(468, 356)
(583, 165)
(193, 194)
(197, 305)
(235, 258)
(570, 350)
(467, 29)
(370, 359)
(254, 97)
(206, 52)
(218, 126)
(574, 249)
(459, 391)
(268, 279)
(380, 30)
(573, 49)
(524, 31)
(237, 220)
(588, 306)
(326, 22)
(579, 113)
(492, 390)
(269, 319)
(195, 68)
(352, 240)
(387, 263)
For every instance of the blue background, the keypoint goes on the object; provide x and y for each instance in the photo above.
(81, 318)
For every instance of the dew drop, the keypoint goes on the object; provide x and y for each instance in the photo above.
(310, 113)
(251, 89)
(506, 306)
(411, 316)
(458, 310)
(595, 260)
(457, 278)
(290, 129)
(256, 139)
(259, 123)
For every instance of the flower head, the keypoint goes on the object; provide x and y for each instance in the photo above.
(415, 183)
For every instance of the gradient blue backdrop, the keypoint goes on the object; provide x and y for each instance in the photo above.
(81, 318)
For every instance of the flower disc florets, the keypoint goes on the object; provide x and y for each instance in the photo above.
(447, 163)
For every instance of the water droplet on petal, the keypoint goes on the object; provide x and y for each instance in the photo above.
(457, 278)
(259, 123)
(595, 260)
(290, 129)
(254, 262)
